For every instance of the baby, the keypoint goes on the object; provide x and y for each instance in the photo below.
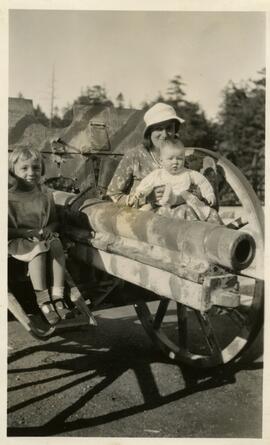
(177, 181)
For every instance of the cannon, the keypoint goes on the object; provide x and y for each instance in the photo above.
(207, 279)
(197, 287)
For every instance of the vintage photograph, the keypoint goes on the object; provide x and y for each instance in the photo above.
(136, 192)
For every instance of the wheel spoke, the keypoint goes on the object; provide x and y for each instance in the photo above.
(209, 333)
(237, 318)
(161, 311)
(182, 324)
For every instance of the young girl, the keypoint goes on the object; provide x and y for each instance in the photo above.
(32, 225)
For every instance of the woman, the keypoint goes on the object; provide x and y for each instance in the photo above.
(162, 124)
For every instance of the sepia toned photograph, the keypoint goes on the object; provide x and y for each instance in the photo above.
(135, 300)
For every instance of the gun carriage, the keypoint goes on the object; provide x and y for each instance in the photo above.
(197, 287)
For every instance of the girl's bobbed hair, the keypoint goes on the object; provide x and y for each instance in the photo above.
(25, 153)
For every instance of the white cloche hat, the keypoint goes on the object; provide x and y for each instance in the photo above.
(160, 113)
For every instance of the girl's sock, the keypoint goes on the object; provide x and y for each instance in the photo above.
(57, 292)
(43, 296)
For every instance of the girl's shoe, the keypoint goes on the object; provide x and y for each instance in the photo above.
(62, 309)
(49, 313)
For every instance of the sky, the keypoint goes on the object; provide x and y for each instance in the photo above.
(133, 52)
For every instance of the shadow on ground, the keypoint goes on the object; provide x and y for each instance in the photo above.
(107, 356)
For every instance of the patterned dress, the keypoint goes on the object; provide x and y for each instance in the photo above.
(134, 166)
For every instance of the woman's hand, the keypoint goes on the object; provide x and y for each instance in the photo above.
(156, 194)
(133, 200)
(51, 230)
(47, 233)
(136, 200)
(33, 234)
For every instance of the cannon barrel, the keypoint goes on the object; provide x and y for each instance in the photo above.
(197, 240)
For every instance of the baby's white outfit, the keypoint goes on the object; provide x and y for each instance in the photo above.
(178, 183)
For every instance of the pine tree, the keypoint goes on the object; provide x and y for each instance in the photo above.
(120, 100)
(241, 128)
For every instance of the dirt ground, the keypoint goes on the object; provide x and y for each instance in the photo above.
(110, 381)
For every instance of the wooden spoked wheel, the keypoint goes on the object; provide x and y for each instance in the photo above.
(221, 334)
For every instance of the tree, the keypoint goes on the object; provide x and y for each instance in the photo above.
(175, 92)
(144, 105)
(56, 121)
(120, 100)
(241, 128)
(67, 113)
(261, 82)
(95, 95)
(159, 98)
(197, 131)
(41, 116)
